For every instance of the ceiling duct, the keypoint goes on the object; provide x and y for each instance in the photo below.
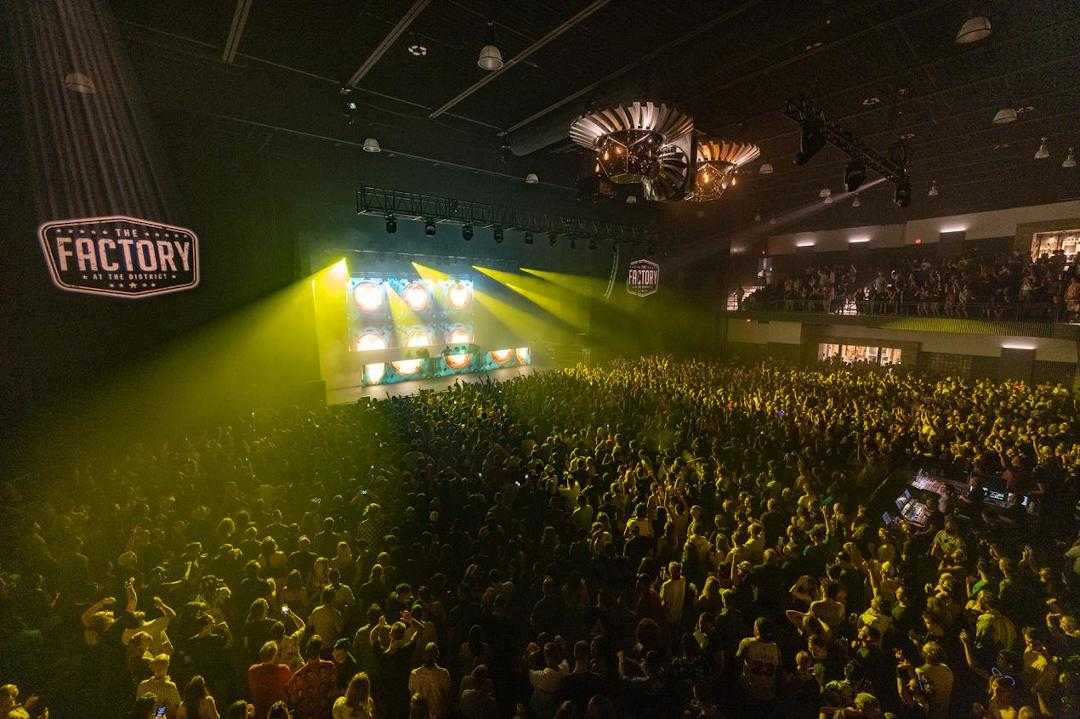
(554, 128)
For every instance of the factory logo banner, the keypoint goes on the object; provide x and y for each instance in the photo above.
(120, 256)
(643, 279)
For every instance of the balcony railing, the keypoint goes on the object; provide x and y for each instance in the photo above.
(1011, 312)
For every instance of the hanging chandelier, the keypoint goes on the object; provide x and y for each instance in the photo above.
(654, 145)
(627, 139)
(717, 163)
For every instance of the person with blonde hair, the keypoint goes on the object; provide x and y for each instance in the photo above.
(358, 703)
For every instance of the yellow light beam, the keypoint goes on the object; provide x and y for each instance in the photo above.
(558, 302)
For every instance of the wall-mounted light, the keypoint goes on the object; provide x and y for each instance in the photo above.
(862, 239)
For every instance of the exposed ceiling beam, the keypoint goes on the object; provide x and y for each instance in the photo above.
(236, 31)
(561, 29)
(387, 42)
(648, 57)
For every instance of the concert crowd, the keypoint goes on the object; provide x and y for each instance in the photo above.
(1007, 285)
(652, 538)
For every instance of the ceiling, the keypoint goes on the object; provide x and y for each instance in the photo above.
(879, 68)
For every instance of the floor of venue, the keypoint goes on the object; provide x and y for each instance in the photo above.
(345, 395)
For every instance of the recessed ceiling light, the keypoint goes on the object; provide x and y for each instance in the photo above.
(418, 50)
(1070, 160)
(871, 101)
(531, 179)
(933, 191)
(1043, 153)
(765, 169)
(825, 192)
(908, 136)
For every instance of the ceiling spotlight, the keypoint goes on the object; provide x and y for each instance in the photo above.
(497, 232)
(391, 224)
(933, 191)
(418, 50)
(490, 55)
(1070, 160)
(429, 227)
(371, 145)
(825, 193)
(349, 104)
(854, 175)
(856, 202)
(811, 141)
(466, 232)
(975, 28)
(528, 237)
(871, 101)
(765, 169)
(1043, 153)
(531, 179)
(631, 199)
(1005, 115)
(902, 196)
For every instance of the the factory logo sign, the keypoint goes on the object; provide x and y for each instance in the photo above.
(120, 256)
(643, 279)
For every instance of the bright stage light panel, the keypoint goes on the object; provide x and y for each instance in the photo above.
(459, 336)
(522, 354)
(417, 297)
(370, 341)
(502, 356)
(418, 338)
(407, 367)
(459, 294)
(458, 361)
(368, 296)
(373, 373)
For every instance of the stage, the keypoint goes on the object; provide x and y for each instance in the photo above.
(345, 395)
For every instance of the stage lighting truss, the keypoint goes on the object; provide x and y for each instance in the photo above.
(628, 139)
(717, 163)
(433, 209)
(893, 166)
(368, 295)
(459, 293)
(417, 296)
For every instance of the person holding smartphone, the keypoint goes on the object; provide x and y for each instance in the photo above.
(161, 686)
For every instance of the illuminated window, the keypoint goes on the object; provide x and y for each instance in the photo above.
(863, 354)
(1047, 243)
